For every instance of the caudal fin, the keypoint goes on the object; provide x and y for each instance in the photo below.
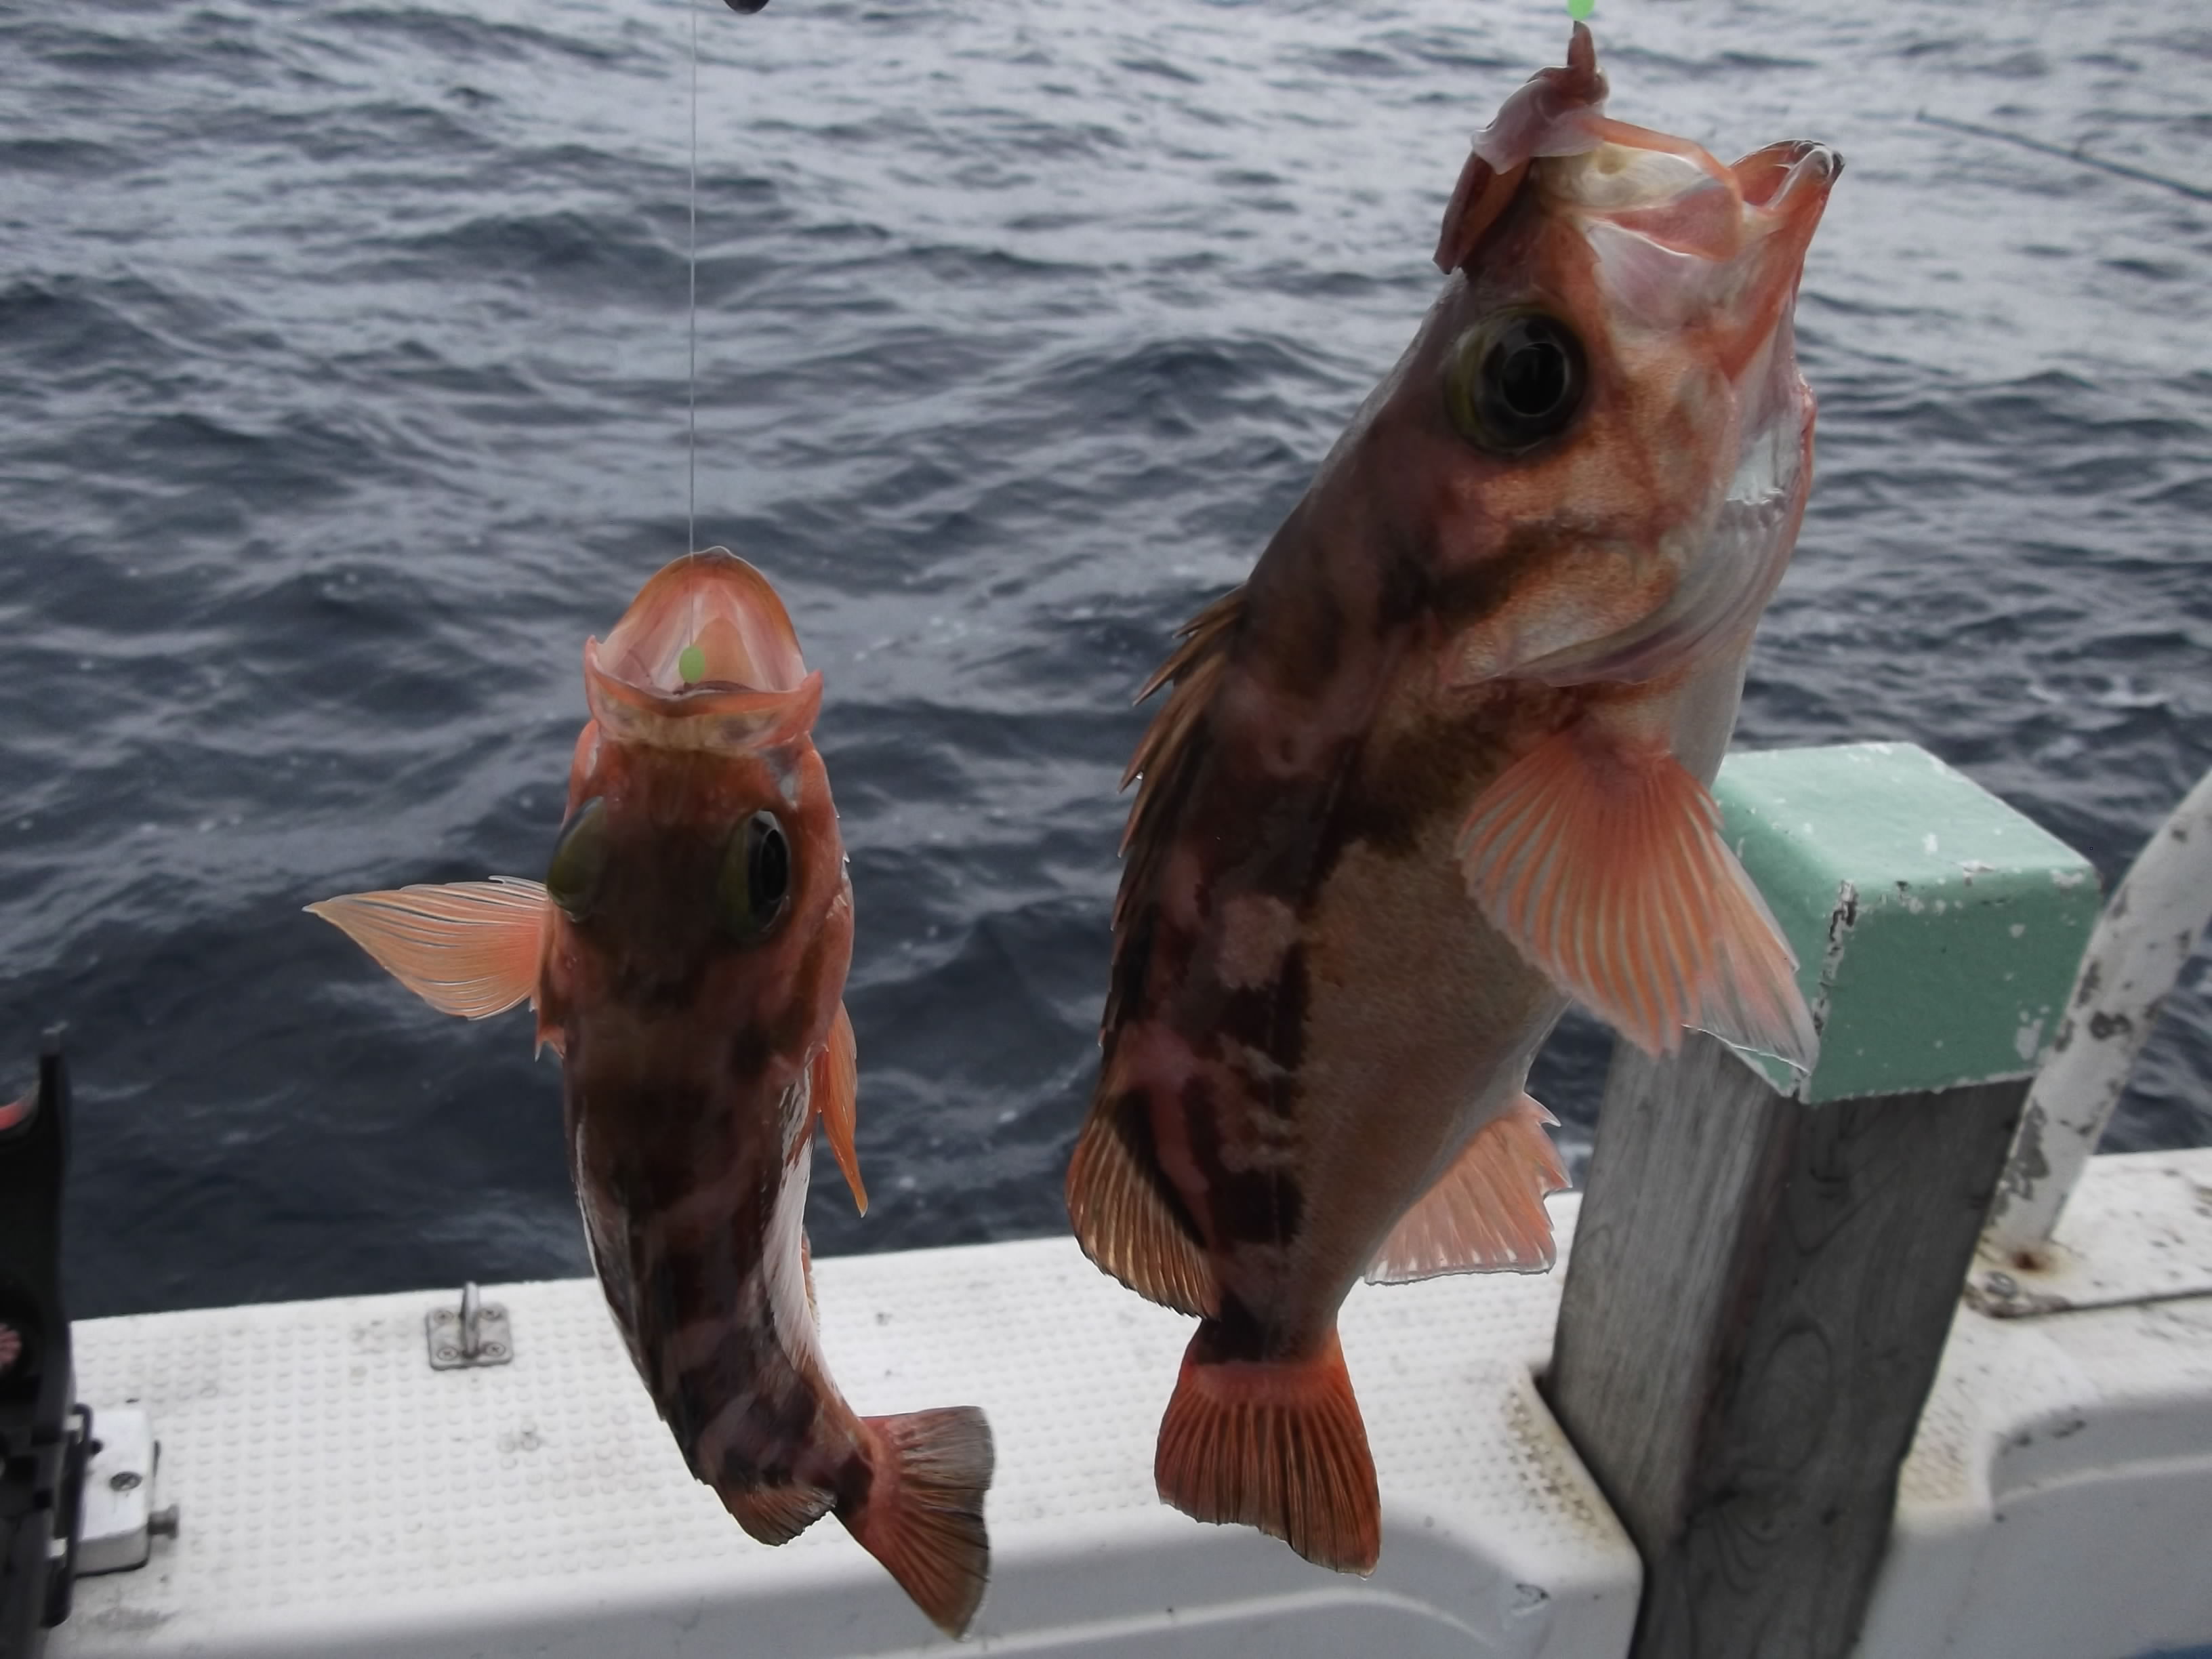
(1276, 1445)
(923, 1514)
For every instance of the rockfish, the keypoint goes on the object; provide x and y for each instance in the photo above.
(1440, 765)
(686, 956)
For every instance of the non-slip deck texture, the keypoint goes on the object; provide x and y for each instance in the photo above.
(341, 1497)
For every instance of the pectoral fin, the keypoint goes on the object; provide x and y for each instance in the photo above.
(1485, 1213)
(837, 1089)
(1605, 866)
(472, 948)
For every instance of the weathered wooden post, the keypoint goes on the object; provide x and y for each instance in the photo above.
(1766, 1263)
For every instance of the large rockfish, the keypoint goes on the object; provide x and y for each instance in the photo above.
(1440, 765)
(686, 955)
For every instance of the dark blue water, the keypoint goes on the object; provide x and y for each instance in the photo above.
(342, 371)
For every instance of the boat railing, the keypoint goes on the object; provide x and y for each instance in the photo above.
(2136, 954)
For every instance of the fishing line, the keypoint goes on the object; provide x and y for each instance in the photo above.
(2122, 169)
(691, 453)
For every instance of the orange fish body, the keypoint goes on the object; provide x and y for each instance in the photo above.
(687, 955)
(1440, 765)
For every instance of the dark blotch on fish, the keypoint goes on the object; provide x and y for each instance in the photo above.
(1248, 1205)
(1133, 1126)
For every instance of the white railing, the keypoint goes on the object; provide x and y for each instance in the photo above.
(2134, 956)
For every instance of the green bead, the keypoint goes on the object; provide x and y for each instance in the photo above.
(692, 664)
(1581, 9)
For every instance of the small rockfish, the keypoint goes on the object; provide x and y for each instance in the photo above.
(686, 956)
(1441, 765)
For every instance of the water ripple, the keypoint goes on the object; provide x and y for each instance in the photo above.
(343, 391)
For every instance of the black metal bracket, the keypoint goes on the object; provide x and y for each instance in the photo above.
(45, 1435)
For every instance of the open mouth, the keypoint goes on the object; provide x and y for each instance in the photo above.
(1779, 178)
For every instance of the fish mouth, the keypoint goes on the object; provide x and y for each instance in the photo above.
(1783, 188)
(1666, 190)
(1788, 181)
(1683, 240)
(705, 657)
(1673, 192)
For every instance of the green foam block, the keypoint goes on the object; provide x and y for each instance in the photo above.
(1937, 931)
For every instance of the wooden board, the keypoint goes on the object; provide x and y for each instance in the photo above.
(1752, 1319)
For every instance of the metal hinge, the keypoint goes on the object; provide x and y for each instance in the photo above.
(470, 1335)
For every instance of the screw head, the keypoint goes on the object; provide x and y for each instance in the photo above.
(124, 1480)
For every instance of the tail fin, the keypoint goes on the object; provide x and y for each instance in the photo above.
(1276, 1445)
(923, 1514)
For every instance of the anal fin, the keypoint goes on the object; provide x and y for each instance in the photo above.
(1603, 863)
(1120, 1209)
(776, 1515)
(1485, 1213)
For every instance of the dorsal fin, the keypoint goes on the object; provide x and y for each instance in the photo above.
(1165, 761)
(1124, 1212)
(1193, 670)
(1125, 1219)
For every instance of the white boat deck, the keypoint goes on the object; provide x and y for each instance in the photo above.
(340, 1497)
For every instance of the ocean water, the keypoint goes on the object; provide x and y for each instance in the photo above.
(343, 369)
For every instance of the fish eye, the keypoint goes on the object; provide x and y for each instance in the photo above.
(1515, 380)
(579, 857)
(756, 880)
